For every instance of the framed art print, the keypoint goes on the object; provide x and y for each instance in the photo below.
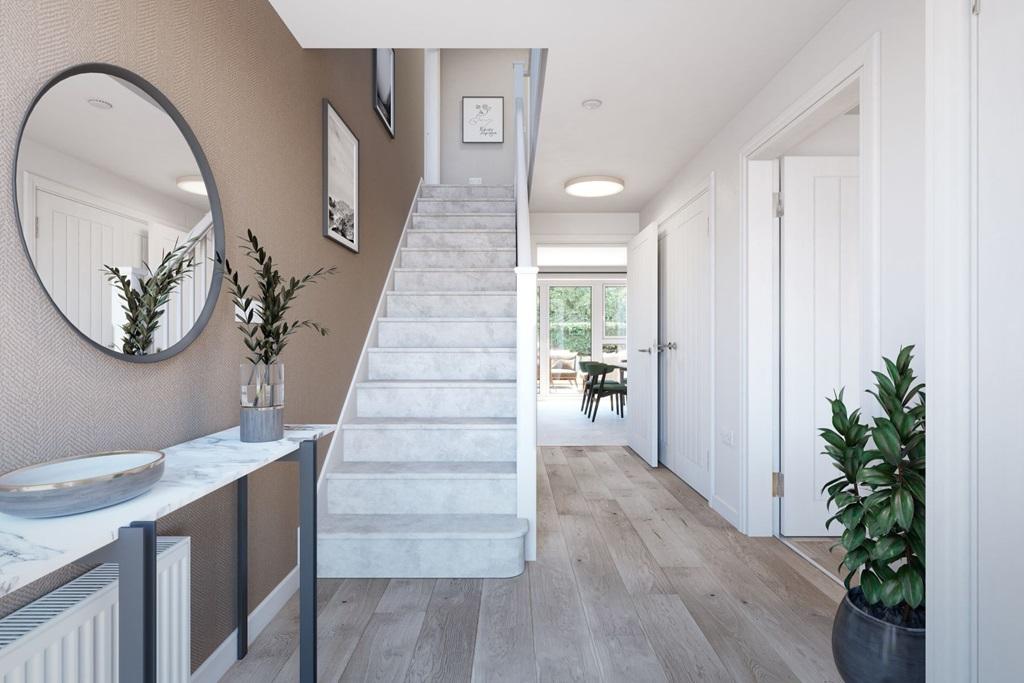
(341, 180)
(483, 119)
(384, 86)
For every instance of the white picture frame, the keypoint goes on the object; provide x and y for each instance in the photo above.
(341, 180)
(483, 119)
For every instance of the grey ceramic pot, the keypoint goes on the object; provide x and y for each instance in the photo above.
(261, 424)
(869, 650)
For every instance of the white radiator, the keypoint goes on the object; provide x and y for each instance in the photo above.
(70, 634)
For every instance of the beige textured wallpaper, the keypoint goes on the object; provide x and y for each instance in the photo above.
(252, 97)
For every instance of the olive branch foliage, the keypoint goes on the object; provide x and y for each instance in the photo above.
(262, 322)
(880, 496)
(145, 306)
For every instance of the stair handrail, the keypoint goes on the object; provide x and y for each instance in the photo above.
(526, 313)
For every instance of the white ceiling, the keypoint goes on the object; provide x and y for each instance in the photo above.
(670, 72)
(135, 139)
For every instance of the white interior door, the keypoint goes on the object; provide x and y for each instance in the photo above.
(642, 344)
(72, 242)
(821, 327)
(685, 345)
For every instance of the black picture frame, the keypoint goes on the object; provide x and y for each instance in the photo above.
(501, 119)
(384, 105)
(208, 180)
(329, 233)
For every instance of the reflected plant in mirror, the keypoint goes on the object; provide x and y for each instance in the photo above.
(261, 312)
(144, 301)
(119, 212)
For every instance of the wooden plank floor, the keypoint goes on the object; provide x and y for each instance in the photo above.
(636, 580)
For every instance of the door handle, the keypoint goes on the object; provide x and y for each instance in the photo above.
(647, 350)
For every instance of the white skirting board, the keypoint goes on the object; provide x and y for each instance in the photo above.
(218, 663)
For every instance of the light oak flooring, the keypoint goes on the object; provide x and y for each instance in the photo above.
(637, 579)
(821, 551)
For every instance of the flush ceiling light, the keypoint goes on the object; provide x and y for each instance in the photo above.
(100, 104)
(193, 184)
(592, 104)
(594, 186)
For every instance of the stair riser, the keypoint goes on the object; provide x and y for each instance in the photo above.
(446, 335)
(460, 240)
(455, 281)
(472, 222)
(466, 206)
(419, 558)
(429, 445)
(457, 192)
(455, 401)
(451, 305)
(431, 496)
(412, 258)
(484, 365)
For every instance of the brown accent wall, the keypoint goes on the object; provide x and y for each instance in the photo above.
(253, 98)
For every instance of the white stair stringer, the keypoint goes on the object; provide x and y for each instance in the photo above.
(421, 477)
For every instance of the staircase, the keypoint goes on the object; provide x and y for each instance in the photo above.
(424, 484)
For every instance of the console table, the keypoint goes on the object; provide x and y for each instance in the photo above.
(126, 534)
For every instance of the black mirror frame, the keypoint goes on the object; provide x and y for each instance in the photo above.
(211, 191)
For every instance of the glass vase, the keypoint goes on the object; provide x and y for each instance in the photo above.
(262, 385)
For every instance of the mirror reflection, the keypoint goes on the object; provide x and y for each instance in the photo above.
(115, 215)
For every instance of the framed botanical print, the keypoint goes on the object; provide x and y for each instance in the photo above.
(384, 86)
(341, 180)
(483, 119)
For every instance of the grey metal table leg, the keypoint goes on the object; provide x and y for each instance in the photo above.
(242, 569)
(134, 551)
(306, 457)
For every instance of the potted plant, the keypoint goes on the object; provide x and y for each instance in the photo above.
(879, 629)
(144, 298)
(265, 331)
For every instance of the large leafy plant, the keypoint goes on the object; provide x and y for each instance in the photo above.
(145, 304)
(880, 496)
(262, 311)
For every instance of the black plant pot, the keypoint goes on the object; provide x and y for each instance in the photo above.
(869, 650)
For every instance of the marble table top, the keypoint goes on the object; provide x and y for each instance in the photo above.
(32, 548)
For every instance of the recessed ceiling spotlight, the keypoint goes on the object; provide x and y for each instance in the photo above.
(100, 104)
(594, 186)
(193, 184)
(592, 104)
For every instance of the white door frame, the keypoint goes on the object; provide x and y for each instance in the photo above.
(951, 220)
(761, 369)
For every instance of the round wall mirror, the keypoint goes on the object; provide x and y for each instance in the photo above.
(118, 212)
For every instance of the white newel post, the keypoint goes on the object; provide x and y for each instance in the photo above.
(526, 403)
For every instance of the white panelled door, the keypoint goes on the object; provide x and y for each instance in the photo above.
(821, 326)
(71, 243)
(641, 344)
(685, 345)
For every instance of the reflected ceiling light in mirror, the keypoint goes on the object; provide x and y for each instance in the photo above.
(594, 186)
(193, 184)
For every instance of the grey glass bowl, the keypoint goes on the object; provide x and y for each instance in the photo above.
(69, 486)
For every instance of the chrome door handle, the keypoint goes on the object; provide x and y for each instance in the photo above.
(647, 350)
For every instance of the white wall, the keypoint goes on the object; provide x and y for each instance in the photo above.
(901, 29)
(583, 228)
(839, 137)
(48, 162)
(476, 73)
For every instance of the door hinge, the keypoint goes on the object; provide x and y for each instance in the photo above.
(975, 7)
(777, 204)
(37, 227)
(778, 485)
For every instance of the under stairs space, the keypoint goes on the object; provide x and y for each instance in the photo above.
(424, 482)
